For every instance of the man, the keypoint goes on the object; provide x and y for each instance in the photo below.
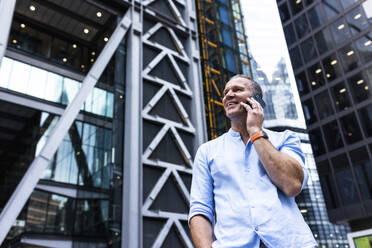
(244, 182)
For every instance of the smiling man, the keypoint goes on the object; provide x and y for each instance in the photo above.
(244, 182)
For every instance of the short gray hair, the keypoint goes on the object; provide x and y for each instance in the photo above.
(255, 87)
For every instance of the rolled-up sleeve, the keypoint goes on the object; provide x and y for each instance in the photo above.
(292, 147)
(201, 196)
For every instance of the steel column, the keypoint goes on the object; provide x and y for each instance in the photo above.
(40, 163)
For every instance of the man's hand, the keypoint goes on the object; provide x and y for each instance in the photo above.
(201, 232)
(255, 116)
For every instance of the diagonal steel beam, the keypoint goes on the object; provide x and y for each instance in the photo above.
(6, 16)
(40, 163)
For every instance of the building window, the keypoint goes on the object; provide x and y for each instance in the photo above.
(309, 112)
(364, 47)
(301, 82)
(302, 26)
(347, 3)
(332, 135)
(324, 104)
(350, 128)
(315, 17)
(366, 119)
(224, 15)
(340, 31)
(295, 55)
(296, 6)
(283, 12)
(349, 58)
(356, 20)
(316, 77)
(309, 50)
(290, 35)
(230, 61)
(344, 180)
(324, 40)
(361, 89)
(340, 97)
(331, 8)
(317, 142)
(328, 185)
(331, 67)
(362, 166)
(226, 37)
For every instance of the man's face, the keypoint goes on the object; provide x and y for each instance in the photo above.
(236, 90)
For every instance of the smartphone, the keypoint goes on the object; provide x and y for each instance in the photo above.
(258, 99)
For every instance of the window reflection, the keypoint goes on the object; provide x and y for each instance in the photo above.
(332, 135)
(360, 87)
(324, 104)
(301, 82)
(309, 50)
(296, 6)
(324, 40)
(283, 12)
(356, 20)
(309, 112)
(315, 16)
(347, 3)
(349, 57)
(366, 119)
(295, 55)
(362, 166)
(302, 26)
(46, 85)
(328, 185)
(345, 182)
(317, 142)
(340, 31)
(331, 67)
(289, 34)
(340, 97)
(315, 73)
(331, 8)
(364, 47)
(350, 128)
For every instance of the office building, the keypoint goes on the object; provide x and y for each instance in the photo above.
(330, 48)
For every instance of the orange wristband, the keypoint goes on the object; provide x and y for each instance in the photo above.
(256, 136)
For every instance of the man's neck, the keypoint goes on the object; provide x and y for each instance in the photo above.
(240, 126)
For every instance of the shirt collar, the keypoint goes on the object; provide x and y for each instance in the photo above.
(234, 133)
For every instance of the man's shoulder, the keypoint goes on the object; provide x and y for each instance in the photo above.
(278, 137)
(207, 146)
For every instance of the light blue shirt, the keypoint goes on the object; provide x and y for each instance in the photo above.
(232, 189)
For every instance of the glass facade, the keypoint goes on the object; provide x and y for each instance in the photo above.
(338, 76)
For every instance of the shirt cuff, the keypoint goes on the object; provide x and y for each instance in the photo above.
(200, 210)
(299, 159)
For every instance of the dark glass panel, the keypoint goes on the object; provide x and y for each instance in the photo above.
(340, 31)
(366, 119)
(331, 8)
(308, 2)
(224, 15)
(315, 16)
(317, 142)
(284, 12)
(362, 166)
(296, 6)
(295, 58)
(344, 180)
(356, 20)
(328, 185)
(290, 35)
(324, 40)
(332, 67)
(332, 135)
(230, 61)
(301, 82)
(347, 3)
(360, 86)
(364, 47)
(323, 103)
(316, 77)
(309, 112)
(302, 26)
(226, 37)
(340, 97)
(349, 58)
(308, 50)
(350, 128)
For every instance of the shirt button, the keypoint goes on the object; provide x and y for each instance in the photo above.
(256, 228)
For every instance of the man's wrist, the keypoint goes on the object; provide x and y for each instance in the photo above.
(258, 135)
